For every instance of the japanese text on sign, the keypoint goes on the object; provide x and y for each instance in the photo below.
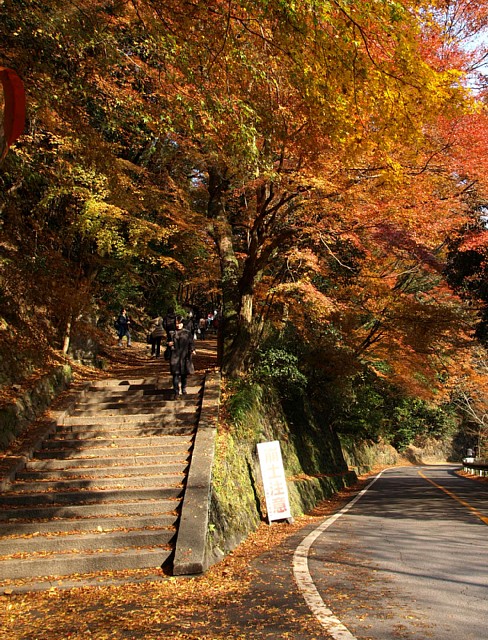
(274, 481)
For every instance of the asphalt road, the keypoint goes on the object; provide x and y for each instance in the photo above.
(409, 559)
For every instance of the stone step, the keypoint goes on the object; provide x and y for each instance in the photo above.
(149, 405)
(85, 497)
(100, 472)
(79, 444)
(86, 542)
(156, 396)
(92, 510)
(137, 419)
(125, 482)
(83, 563)
(101, 523)
(162, 387)
(130, 383)
(96, 431)
(104, 452)
(180, 408)
(104, 492)
(112, 463)
(151, 409)
(162, 380)
(110, 401)
(107, 394)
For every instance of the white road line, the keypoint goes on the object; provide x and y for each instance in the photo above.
(304, 580)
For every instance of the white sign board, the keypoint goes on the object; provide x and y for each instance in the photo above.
(274, 481)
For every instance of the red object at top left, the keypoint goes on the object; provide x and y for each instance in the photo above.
(13, 109)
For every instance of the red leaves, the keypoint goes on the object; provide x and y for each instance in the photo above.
(475, 241)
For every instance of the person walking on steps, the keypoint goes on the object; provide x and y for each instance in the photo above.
(123, 326)
(202, 328)
(169, 322)
(157, 333)
(180, 362)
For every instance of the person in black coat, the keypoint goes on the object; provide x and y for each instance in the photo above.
(180, 362)
(123, 326)
(169, 322)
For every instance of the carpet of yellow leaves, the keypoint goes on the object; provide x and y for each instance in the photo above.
(249, 594)
(205, 607)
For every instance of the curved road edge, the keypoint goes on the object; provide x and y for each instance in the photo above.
(304, 580)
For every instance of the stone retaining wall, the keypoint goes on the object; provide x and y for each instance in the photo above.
(31, 404)
(314, 467)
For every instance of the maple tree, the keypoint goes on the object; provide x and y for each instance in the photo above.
(327, 149)
(470, 397)
(87, 216)
(318, 161)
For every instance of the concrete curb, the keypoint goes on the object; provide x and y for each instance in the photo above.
(192, 533)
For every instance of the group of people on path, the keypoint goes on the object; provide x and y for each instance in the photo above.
(180, 344)
(179, 349)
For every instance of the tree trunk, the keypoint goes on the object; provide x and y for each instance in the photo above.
(237, 355)
(221, 232)
(237, 287)
(67, 334)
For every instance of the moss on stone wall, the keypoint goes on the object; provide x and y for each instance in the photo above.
(235, 504)
(30, 405)
(312, 458)
(364, 455)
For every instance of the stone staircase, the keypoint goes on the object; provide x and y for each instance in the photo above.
(105, 489)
